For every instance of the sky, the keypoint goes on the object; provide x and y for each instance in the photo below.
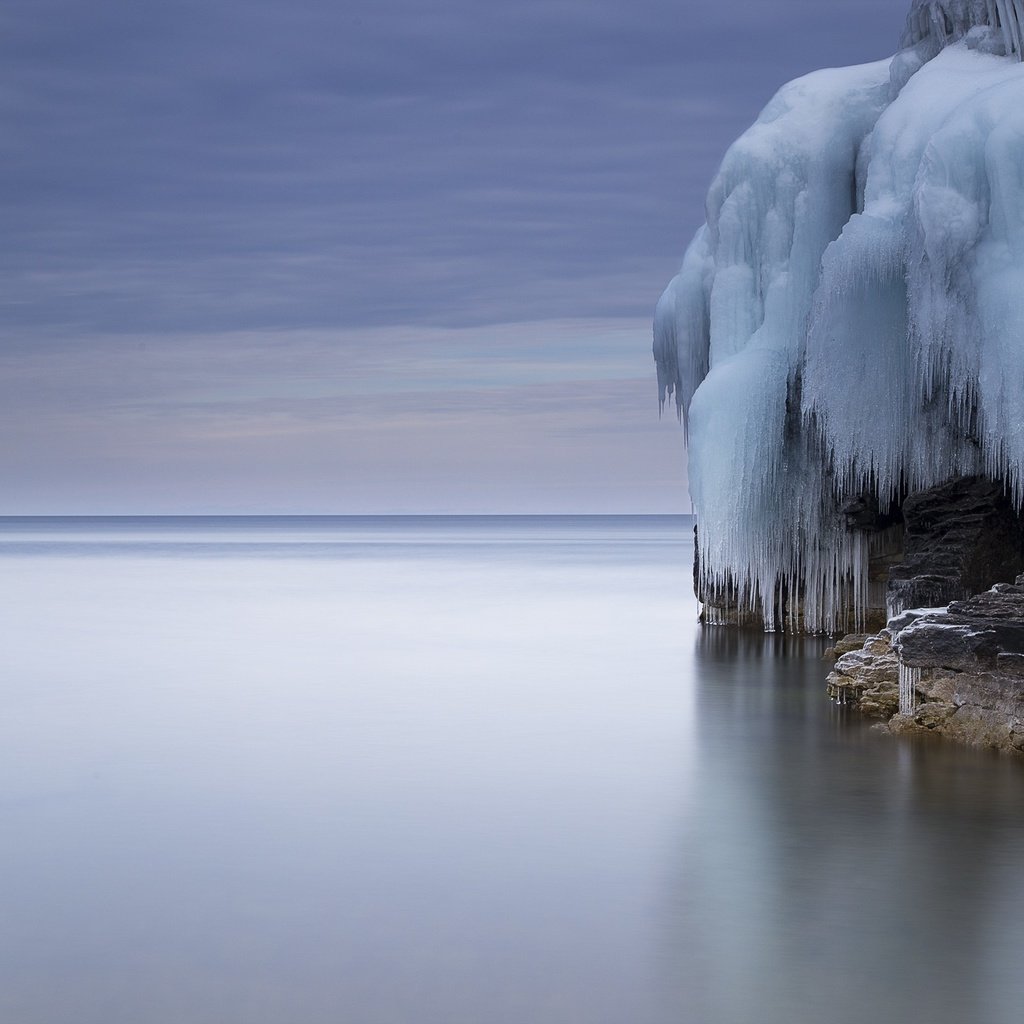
(336, 256)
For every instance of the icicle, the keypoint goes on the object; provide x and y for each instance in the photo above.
(937, 23)
(909, 680)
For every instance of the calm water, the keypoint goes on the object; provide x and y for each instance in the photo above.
(463, 772)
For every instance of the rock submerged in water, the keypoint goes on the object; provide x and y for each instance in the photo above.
(968, 665)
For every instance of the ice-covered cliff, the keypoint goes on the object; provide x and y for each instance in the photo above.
(850, 321)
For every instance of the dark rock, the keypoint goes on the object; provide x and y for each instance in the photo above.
(971, 636)
(959, 539)
(1010, 664)
(928, 644)
(861, 512)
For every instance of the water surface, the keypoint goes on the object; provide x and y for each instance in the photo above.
(463, 770)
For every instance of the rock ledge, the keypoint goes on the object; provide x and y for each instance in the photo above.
(961, 669)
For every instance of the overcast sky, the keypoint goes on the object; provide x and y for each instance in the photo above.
(347, 256)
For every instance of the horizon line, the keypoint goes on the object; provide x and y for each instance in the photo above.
(335, 515)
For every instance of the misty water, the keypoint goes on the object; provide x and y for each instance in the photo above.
(456, 771)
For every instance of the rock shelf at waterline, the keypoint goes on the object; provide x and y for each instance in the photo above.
(957, 671)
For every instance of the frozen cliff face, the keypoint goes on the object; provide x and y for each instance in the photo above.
(851, 317)
(936, 23)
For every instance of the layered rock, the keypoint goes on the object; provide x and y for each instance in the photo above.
(958, 539)
(867, 674)
(962, 670)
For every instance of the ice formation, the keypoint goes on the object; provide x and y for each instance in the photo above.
(909, 680)
(940, 22)
(851, 317)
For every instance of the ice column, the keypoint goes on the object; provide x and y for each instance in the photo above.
(909, 678)
(941, 22)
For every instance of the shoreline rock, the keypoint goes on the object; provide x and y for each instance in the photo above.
(867, 676)
(962, 670)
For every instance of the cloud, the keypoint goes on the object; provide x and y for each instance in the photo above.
(187, 166)
(229, 225)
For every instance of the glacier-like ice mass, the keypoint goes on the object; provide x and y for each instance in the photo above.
(851, 317)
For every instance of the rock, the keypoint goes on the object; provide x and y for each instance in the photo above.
(958, 539)
(980, 727)
(868, 677)
(899, 724)
(882, 702)
(871, 669)
(971, 662)
(861, 513)
(1010, 664)
(938, 686)
(879, 644)
(850, 642)
(932, 714)
(969, 686)
(927, 718)
(947, 645)
(970, 636)
(908, 616)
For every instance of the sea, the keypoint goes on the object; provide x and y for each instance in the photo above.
(464, 770)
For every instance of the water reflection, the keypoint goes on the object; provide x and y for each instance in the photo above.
(831, 873)
(464, 772)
